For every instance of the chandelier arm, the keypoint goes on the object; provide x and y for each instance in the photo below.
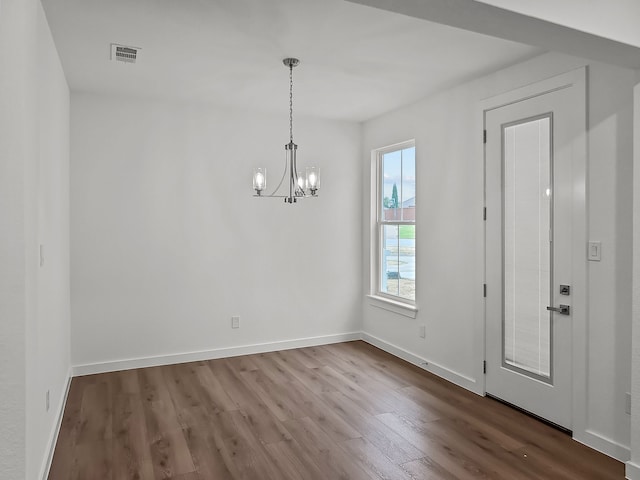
(284, 174)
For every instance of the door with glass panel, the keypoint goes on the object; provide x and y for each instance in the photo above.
(529, 185)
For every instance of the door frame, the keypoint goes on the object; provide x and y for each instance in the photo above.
(577, 80)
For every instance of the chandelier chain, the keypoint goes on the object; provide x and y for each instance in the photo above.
(291, 103)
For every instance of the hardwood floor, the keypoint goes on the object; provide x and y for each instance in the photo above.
(343, 411)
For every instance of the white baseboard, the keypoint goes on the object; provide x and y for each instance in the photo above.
(603, 444)
(448, 374)
(53, 437)
(589, 438)
(632, 471)
(128, 364)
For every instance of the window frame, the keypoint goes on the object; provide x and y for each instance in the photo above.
(395, 303)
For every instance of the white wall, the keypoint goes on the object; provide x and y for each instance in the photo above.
(168, 242)
(34, 154)
(633, 466)
(18, 127)
(48, 355)
(614, 19)
(610, 207)
(447, 131)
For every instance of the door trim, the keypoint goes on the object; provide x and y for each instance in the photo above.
(577, 81)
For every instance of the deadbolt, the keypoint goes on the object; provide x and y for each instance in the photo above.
(565, 290)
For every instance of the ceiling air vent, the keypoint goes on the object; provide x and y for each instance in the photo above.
(122, 53)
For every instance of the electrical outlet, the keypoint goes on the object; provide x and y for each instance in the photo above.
(47, 400)
(423, 331)
(235, 322)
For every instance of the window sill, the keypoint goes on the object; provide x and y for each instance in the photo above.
(400, 308)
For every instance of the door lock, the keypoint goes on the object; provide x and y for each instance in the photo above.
(562, 309)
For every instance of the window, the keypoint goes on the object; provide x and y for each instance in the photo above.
(396, 223)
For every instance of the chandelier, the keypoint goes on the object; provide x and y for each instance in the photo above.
(299, 186)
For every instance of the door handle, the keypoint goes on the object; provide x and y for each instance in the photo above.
(562, 309)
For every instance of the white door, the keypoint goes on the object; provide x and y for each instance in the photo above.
(530, 183)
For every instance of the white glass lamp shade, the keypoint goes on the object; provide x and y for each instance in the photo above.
(259, 179)
(313, 180)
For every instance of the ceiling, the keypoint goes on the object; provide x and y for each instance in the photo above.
(357, 62)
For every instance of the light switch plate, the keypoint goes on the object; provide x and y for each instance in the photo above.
(594, 252)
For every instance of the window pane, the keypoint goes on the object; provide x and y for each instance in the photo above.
(408, 190)
(527, 249)
(391, 185)
(390, 281)
(398, 272)
(397, 204)
(399, 185)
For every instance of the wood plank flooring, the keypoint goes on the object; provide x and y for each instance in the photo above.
(343, 411)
